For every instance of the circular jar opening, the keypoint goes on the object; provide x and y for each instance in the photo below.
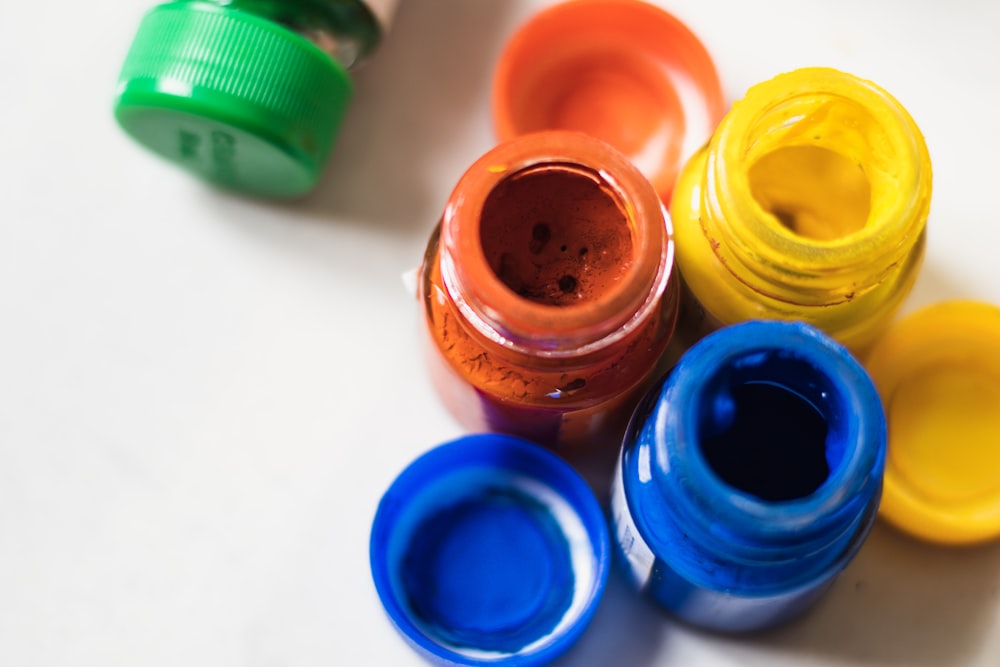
(556, 234)
(768, 426)
(824, 166)
(812, 191)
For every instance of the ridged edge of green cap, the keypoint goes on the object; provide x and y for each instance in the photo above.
(235, 98)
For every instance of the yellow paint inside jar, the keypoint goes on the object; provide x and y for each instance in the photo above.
(812, 191)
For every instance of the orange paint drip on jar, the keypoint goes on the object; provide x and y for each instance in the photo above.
(548, 291)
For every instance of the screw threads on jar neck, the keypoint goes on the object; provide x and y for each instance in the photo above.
(817, 187)
(554, 245)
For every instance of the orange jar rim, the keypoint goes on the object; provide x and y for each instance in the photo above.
(500, 314)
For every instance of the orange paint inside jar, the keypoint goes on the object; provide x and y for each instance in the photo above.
(555, 236)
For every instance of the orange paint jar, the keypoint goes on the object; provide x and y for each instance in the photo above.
(548, 291)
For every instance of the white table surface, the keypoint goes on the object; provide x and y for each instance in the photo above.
(202, 397)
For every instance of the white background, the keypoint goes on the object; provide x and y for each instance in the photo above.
(202, 397)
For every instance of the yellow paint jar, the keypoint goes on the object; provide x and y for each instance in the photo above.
(809, 203)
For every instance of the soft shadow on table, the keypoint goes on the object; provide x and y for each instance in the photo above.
(901, 602)
(934, 284)
(424, 93)
(626, 631)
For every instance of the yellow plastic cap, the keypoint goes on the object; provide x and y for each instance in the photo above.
(938, 373)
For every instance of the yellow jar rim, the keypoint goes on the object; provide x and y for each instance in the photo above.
(938, 374)
(893, 227)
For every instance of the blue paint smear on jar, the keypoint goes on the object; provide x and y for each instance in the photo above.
(492, 572)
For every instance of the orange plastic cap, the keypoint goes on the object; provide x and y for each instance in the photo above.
(938, 372)
(623, 71)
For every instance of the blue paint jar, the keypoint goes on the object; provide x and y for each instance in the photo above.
(750, 477)
(489, 550)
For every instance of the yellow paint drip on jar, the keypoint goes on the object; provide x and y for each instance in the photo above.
(809, 203)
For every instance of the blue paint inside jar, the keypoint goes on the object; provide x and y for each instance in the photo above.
(764, 438)
(492, 572)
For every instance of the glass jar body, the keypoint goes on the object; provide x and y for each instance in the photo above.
(562, 367)
(810, 203)
(717, 523)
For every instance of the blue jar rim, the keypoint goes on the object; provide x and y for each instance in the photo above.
(859, 471)
(500, 458)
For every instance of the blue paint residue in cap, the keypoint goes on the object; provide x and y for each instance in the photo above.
(489, 550)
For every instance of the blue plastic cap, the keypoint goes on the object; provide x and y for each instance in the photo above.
(489, 550)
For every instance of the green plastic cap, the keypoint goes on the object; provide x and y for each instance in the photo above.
(232, 97)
